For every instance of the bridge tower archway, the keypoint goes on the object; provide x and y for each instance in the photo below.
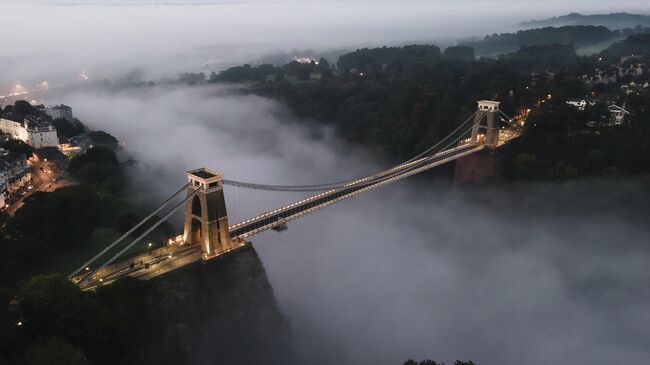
(195, 233)
(206, 218)
(486, 127)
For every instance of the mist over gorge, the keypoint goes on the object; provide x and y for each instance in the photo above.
(450, 272)
(126, 35)
(506, 271)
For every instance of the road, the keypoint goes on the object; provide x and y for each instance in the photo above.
(46, 176)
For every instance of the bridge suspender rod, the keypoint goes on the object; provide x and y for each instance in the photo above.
(388, 175)
(505, 115)
(464, 151)
(341, 184)
(447, 137)
(128, 232)
(140, 237)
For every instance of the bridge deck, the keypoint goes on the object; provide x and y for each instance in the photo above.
(280, 216)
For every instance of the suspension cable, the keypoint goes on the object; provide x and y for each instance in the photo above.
(340, 184)
(128, 232)
(140, 237)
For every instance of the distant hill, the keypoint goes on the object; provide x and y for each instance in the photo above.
(637, 44)
(611, 21)
(576, 36)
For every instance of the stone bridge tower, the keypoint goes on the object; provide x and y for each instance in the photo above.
(486, 125)
(206, 219)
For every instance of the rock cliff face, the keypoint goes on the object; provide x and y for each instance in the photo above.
(475, 168)
(223, 312)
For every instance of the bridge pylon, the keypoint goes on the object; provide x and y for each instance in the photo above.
(486, 125)
(206, 218)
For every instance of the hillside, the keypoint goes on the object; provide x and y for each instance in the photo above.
(578, 36)
(611, 21)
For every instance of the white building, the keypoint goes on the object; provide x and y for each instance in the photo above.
(579, 104)
(617, 114)
(60, 111)
(34, 130)
(14, 175)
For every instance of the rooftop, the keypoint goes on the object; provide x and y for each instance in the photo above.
(205, 174)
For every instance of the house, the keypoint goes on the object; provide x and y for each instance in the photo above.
(35, 129)
(60, 112)
(14, 174)
(579, 104)
(617, 114)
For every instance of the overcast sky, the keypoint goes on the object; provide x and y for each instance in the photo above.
(59, 43)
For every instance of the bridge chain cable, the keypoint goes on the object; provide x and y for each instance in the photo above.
(447, 152)
(114, 243)
(340, 184)
(266, 221)
(138, 239)
(427, 160)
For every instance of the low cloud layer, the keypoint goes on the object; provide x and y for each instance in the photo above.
(530, 274)
(60, 43)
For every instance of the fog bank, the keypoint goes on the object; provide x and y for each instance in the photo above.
(530, 274)
(62, 44)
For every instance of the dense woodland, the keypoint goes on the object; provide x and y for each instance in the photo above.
(578, 36)
(611, 21)
(47, 319)
(399, 100)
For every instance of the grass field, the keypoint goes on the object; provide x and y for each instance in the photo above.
(70, 259)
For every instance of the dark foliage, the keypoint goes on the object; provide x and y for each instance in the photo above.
(401, 107)
(578, 36)
(66, 129)
(459, 53)
(49, 216)
(23, 107)
(98, 167)
(112, 326)
(611, 21)
(244, 73)
(367, 58)
(431, 362)
(103, 139)
(637, 44)
(17, 146)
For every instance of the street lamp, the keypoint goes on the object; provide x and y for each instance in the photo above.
(149, 245)
(170, 260)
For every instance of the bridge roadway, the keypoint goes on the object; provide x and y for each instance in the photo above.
(170, 258)
(296, 210)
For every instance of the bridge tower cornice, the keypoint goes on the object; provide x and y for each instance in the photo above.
(486, 127)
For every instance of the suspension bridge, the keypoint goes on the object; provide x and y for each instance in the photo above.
(207, 233)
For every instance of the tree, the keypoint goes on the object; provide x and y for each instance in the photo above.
(23, 107)
(61, 218)
(103, 139)
(18, 147)
(50, 305)
(323, 66)
(66, 129)
(459, 53)
(423, 362)
(98, 167)
(94, 156)
(54, 351)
